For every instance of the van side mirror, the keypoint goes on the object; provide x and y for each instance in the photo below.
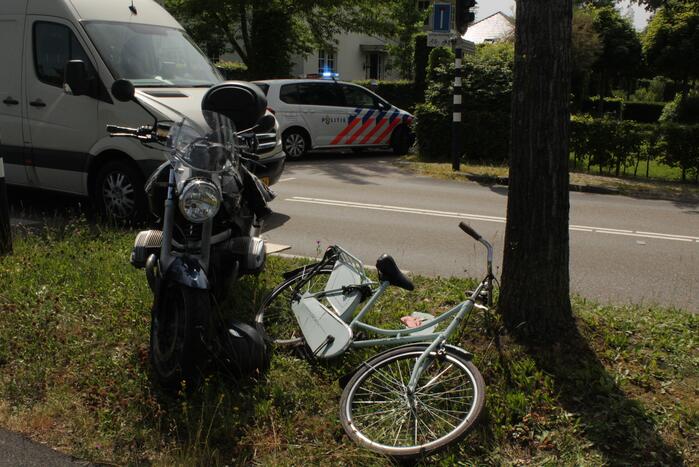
(75, 80)
(123, 90)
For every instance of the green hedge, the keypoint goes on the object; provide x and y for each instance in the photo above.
(598, 106)
(486, 135)
(617, 145)
(233, 71)
(399, 93)
(432, 131)
(642, 112)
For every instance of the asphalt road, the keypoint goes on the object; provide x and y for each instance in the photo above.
(623, 250)
(16, 450)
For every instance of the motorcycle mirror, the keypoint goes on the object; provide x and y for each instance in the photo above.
(266, 123)
(123, 90)
(244, 103)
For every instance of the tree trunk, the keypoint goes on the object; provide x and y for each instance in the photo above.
(535, 295)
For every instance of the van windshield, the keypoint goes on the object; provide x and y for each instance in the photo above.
(151, 56)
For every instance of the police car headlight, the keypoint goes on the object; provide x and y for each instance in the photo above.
(200, 201)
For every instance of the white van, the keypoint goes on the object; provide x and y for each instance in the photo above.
(54, 140)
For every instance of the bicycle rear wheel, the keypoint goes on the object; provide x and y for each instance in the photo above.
(275, 320)
(377, 414)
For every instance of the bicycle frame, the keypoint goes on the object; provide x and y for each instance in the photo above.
(410, 335)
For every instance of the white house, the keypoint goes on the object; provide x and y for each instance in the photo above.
(493, 28)
(354, 57)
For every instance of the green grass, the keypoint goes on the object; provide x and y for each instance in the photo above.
(74, 320)
(663, 183)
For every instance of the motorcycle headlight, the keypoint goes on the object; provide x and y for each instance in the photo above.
(200, 201)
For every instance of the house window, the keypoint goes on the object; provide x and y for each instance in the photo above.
(326, 62)
(423, 6)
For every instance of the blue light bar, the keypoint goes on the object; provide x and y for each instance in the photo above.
(330, 74)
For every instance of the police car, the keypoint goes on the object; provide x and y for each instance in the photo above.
(324, 114)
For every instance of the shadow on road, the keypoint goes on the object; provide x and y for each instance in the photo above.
(350, 167)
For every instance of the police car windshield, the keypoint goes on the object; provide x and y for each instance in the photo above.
(151, 56)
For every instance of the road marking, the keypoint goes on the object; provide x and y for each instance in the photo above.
(482, 218)
(286, 179)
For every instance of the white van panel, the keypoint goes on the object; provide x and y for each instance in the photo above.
(11, 99)
(64, 127)
(148, 12)
(13, 7)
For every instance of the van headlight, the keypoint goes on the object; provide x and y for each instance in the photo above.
(200, 201)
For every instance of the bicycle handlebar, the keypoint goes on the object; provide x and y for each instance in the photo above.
(467, 228)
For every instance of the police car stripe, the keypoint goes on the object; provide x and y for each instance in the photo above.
(367, 121)
(379, 124)
(353, 122)
(394, 123)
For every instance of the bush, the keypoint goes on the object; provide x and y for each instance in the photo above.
(598, 106)
(681, 112)
(642, 112)
(232, 71)
(486, 135)
(432, 125)
(615, 144)
(399, 93)
(680, 147)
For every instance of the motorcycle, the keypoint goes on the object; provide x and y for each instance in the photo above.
(210, 209)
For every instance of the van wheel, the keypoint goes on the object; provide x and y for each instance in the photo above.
(400, 141)
(119, 192)
(296, 144)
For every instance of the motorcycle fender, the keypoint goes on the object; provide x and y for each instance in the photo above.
(188, 272)
(343, 380)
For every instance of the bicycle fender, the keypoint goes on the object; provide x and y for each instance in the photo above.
(187, 272)
(289, 274)
(343, 380)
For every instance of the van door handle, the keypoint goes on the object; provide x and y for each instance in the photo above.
(37, 103)
(10, 101)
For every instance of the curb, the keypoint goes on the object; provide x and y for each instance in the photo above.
(504, 181)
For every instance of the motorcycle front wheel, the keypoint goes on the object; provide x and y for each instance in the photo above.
(176, 341)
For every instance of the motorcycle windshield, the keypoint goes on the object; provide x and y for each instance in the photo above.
(208, 148)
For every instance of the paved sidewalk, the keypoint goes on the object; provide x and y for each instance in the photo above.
(16, 450)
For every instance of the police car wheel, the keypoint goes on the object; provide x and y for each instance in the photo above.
(295, 144)
(400, 141)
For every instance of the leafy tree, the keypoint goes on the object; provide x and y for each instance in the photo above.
(267, 33)
(535, 294)
(621, 55)
(408, 20)
(586, 47)
(671, 43)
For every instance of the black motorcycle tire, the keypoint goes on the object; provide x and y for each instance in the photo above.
(177, 346)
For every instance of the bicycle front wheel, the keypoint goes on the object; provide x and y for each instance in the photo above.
(378, 414)
(275, 320)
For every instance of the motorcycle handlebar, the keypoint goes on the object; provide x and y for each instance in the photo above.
(114, 129)
(467, 228)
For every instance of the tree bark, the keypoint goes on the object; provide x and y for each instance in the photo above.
(535, 295)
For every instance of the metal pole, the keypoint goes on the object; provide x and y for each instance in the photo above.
(456, 128)
(5, 234)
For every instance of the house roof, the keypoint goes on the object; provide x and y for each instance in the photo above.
(492, 28)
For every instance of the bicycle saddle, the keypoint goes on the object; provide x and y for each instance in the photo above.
(388, 271)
